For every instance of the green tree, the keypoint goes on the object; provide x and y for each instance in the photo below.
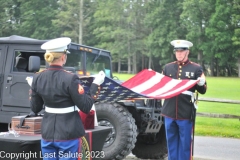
(73, 19)
(9, 15)
(221, 31)
(110, 29)
(138, 30)
(36, 19)
(67, 19)
(196, 15)
(164, 20)
(138, 33)
(236, 36)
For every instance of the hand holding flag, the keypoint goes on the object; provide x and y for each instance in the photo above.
(29, 80)
(147, 84)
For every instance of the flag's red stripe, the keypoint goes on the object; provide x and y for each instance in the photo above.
(172, 94)
(176, 86)
(159, 85)
(139, 78)
(184, 82)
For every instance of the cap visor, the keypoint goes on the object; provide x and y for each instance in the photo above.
(180, 49)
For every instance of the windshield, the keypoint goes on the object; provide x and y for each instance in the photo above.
(75, 60)
(97, 63)
(94, 63)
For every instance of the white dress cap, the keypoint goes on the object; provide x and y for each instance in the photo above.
(181, 44)
(56, 45)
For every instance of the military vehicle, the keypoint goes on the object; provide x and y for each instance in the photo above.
(137, 126)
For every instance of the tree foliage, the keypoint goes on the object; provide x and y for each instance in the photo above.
(137, 32)
(35, 18)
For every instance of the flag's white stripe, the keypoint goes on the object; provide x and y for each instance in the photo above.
(148, 84)
(189, 83)
(172, 83)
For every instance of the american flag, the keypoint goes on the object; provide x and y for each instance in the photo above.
(147, 84)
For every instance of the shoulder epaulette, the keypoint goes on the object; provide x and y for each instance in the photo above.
(194, 63)
(68, 71)
(41, 71)
(171, 63)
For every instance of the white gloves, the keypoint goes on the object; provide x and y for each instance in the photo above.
(99, 78)
(201, 81)
(29, 80)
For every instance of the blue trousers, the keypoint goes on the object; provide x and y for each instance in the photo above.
(179, 139)
(61, 150)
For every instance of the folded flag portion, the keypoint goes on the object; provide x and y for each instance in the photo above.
(147, 84)
(155, 85)
(111, 91)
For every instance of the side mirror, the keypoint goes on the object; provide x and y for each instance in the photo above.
(34, 64)
(70, 69)
(107, 72)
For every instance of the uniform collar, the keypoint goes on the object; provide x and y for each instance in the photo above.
(55, 67)
(182, 63)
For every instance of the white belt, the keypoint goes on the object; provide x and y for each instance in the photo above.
(192, 97)
(188, 93)
(61, 110)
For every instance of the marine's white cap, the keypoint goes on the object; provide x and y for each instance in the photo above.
(57, 45)
(181, 44)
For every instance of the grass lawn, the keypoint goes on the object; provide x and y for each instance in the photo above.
(225, 88)
(220, 127)
(217, 127)
(222, 88)
(123, 76)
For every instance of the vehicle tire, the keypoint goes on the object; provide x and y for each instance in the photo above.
(122, 138)
(3, 127)
(148, 147)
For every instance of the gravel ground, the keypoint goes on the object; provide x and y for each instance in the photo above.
(131, 157)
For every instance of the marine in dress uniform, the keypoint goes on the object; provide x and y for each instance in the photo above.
(62, 95)
(179, 110)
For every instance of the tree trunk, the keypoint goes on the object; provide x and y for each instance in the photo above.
(200, 55)
(212, 68)
(143, 62)
(129, 58)
(129, 63)
(80, 22)
(150, 62)
(239, 67)
(119, 65)
(114, 66)
(129, 54)
(217, 68)
(134, 63)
